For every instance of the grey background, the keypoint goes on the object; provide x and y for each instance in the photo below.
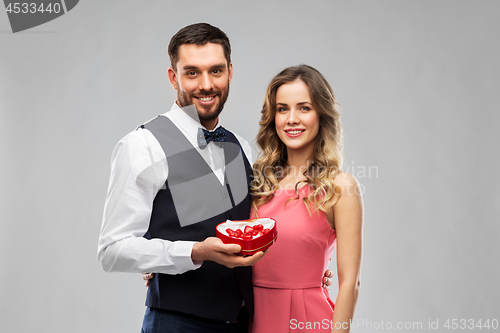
(418, 81)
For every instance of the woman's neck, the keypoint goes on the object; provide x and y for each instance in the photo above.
(297, 163)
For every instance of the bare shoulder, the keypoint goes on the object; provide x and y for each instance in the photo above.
(348, 209)
(348, 183)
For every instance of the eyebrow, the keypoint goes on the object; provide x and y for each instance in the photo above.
(190, 67)
(301, 103)
(219, 66)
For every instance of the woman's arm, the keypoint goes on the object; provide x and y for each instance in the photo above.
(348, 220)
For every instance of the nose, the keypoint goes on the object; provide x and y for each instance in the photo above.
(293, 117)
(205, 82)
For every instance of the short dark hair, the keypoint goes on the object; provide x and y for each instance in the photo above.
(198, 34)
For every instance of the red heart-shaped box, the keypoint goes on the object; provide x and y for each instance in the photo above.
(251, 246)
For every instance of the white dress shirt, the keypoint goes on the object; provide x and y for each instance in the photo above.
(139, 169)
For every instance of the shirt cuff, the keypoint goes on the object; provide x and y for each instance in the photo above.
(181, 255)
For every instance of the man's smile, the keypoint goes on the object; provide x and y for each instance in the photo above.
(206, 100)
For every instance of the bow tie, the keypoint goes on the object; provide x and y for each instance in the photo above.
(218, 137)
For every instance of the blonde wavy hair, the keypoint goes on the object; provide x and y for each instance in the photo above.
(327, 156)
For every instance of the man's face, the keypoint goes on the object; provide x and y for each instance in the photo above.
(202, 78)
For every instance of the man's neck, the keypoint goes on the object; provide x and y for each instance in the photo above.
(210, 125)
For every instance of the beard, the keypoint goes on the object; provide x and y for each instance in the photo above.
(205, 112)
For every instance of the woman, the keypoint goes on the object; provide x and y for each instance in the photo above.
(298, 182)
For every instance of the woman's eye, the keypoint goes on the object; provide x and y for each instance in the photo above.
(281, 109)
(305, 108)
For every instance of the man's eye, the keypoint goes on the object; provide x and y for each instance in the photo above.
(191, 73)
(216, 71)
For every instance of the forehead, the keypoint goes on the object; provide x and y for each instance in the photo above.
(293, 92)
(207, 55)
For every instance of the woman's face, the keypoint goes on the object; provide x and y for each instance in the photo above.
(297, 122)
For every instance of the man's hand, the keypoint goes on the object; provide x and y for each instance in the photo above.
(327, 279)
(214, 249)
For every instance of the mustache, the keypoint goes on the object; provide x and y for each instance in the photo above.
(207, 92)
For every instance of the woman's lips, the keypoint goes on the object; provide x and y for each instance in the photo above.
(293, 133)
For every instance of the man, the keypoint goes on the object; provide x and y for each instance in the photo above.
(172, 181)
(143, 228)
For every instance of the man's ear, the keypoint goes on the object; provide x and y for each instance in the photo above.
(172, 77)
(230, 72)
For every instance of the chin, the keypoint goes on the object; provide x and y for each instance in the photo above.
(208, 116)
(211, 115)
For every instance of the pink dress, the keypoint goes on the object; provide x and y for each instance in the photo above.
(287, 281)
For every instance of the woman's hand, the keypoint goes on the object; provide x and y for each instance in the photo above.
(327, 279)
(147, 277)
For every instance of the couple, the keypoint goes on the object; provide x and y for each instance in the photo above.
(178, 176)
